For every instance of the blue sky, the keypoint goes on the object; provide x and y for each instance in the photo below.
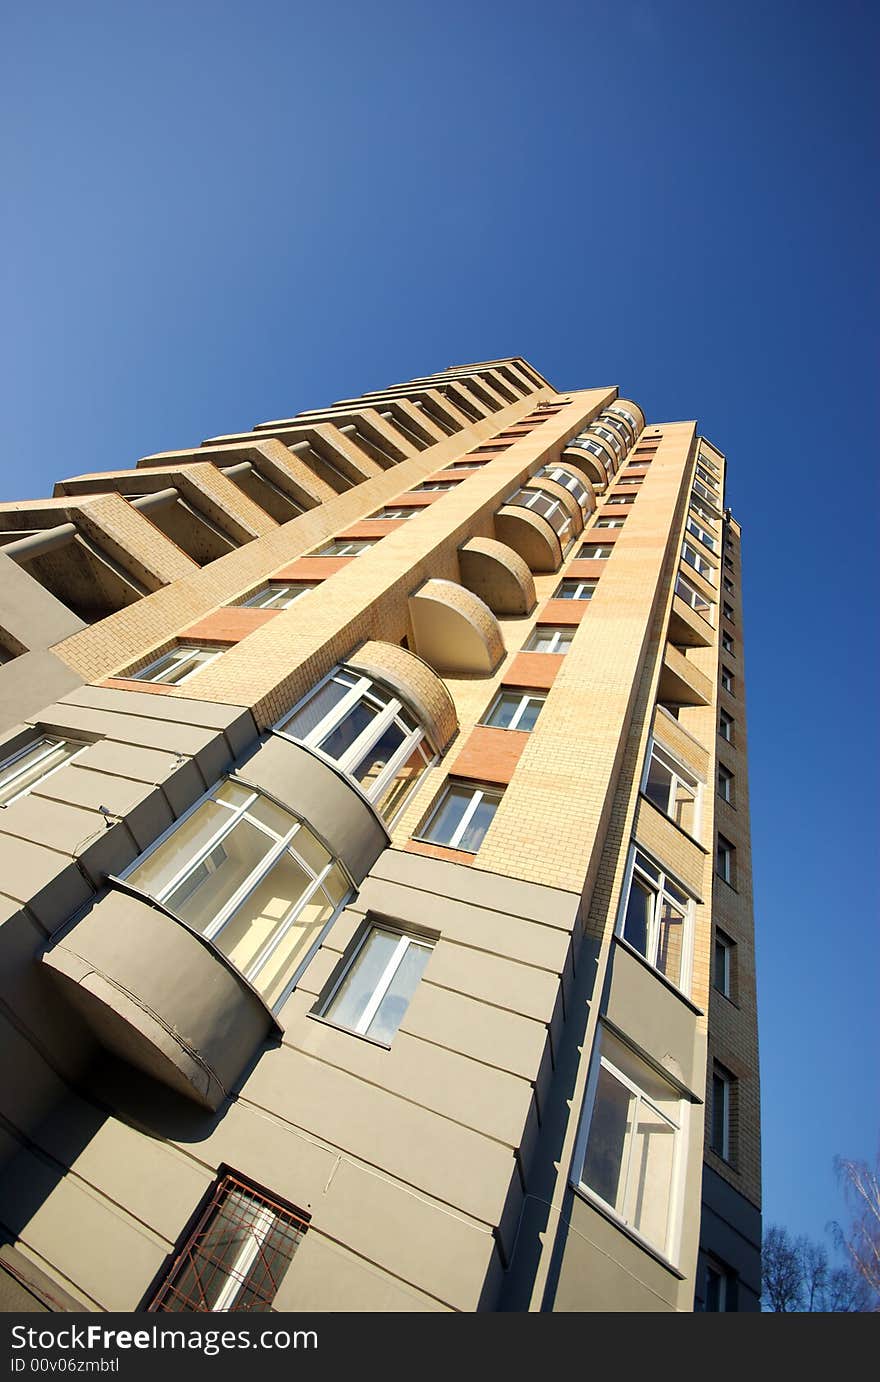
(221, 213)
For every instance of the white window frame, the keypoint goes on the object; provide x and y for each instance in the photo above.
(658, 887)
(384, 982)
(608, 522)
(680, 773)
(705, 476)
(624, 413)
(569, 481)
(248, 885)
(615, 417)
(706, 494)
(346, 547)
(695, 598)
(548, 506)
(586, 443)
(588, 583)
(726, 723)
(695, 559)
(434, 486)
(176, 657)
(48, 743)
(394, 706)
(561, 633)
(525, 698)
(278, 590)
(611, 437)
(727, 780)
(396, 511)
(604, 552)
(478, 793)
(726, 679)
(670, 1249)
(237, 1278)
(702, 535)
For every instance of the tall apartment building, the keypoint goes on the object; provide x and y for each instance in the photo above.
(375, 871)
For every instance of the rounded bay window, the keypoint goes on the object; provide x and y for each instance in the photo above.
(577, 485)
(367, 731)
(250, 877)
(549, 506)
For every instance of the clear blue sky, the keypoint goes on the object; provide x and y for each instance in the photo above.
(218, 213)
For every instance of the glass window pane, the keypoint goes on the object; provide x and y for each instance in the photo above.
(650, 1176)
(391, 1010)
(309, 848)
(278, 969)
(190, 837)
(359, 984)
(319, 704)
(504, 709)
(355, 721)
(208, 887)
(604, 1164)
(683, 809)
(30, 767)
(448, 816)
(532, 710)
(401, 784)
(263, 913)
(637, 921)
(375, 759)
(670, 941)
(273, 817)
(659, 784)
(478, 824)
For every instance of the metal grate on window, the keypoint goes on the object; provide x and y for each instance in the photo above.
(236, 1255)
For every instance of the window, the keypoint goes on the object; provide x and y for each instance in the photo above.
(611, 437)
(656, 919)
(515, 710)
(429, 485)
(584, 441)
(698, 562)
(594, 551)
(377, 985)
(702, 534)
(249, 876)
(706, 478)
(725, 784)
(628, 1147)
(621, 427)
(727, 643)
(727, 610)
(572, 589)
(25, 769)
(727, 583)
(621, 499)
(462, 816)
(278, 595)
(626, 414)
(723, 1084)
(722, 964)
(399, 512)
(609, 522)
(725, 726)
(570, 482)
(176, 666)
(367, 731)
(706, 494)
(706, 512)
(693, 597)
(469, 464)
(725, 860)
(346, 547)
(546, 638)
(719, 1288)
(726, 679)
(630, 480)
(548, 506)
(672, 788)
(236, 1256)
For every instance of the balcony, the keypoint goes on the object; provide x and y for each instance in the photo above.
(455, 632)
(497, 575)
(681, 683)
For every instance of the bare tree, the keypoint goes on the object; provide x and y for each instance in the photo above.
(798, 1277)
(861, 1188)
(781, 1281)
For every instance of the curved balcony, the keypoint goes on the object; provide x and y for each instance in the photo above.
(416, 684)
(631, 412)
(591, 456)
(454, 630)
(530, 535)
(497, 575)
(160, 996)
